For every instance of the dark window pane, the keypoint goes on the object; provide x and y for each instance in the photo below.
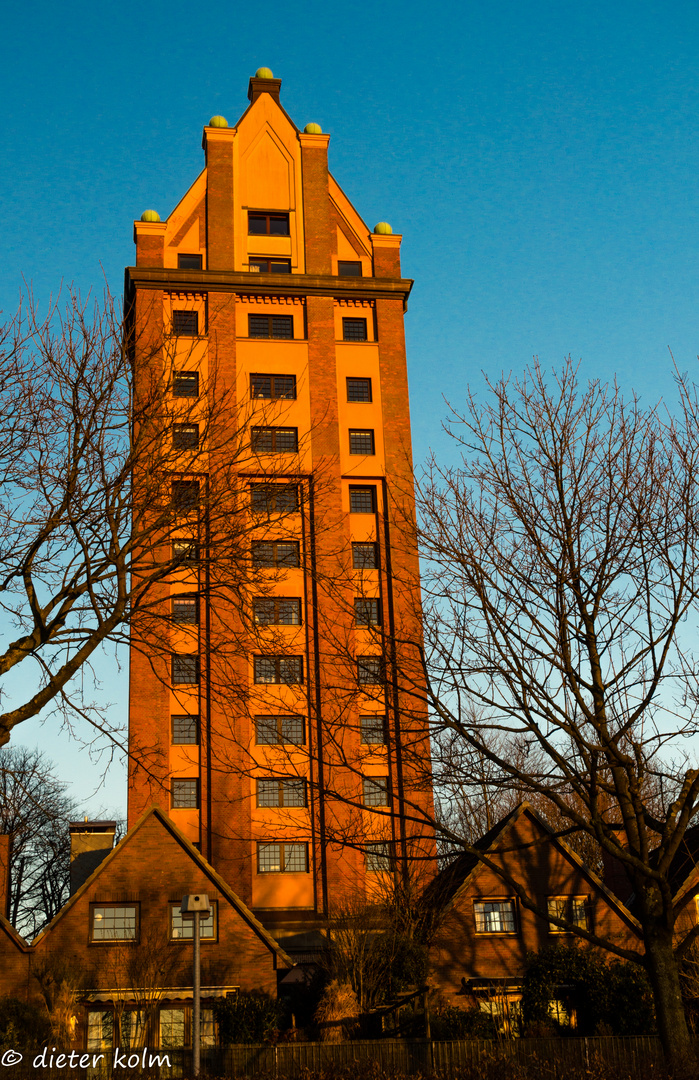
(366, 612)
(370, 670)
(362, 500)
(354, 330)
(183, 929)
(294, 792)
(361, 442)
(185, 436)
(189, 262)
(284, 386)
(347, 268)
(185, 730)
(265, 669)
(290, 670)
(185, 609)
(262, 440)
(185, 794)
(375, 791)
(185, 670)
(278, 730)
(185, 495)
(288, 554)
(185, 384)
(274, 440)
(261, 386)
(185, 323)
(365, 556)
(286, 498)
(282, 326)
(268, 793)
(258, 325)
(257, 224)
(279, 266)
(359, 389)
(271, 326)
(264, 611)
(279, 224)
(372, 730)
(283, 670)
(273, 386)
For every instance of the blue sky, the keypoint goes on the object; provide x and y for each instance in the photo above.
(540, 159)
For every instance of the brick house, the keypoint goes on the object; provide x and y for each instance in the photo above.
(129, 952)
(484, 931)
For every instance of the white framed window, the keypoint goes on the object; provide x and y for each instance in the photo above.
(495, 916)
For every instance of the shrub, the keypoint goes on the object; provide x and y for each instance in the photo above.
(249, 1017)
(22, 1026)
(337, 1014)
(467, 1023)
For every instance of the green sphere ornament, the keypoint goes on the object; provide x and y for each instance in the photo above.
(150, 215)
(264, 73)
(383, 229)
(218, 121)
(313, 129)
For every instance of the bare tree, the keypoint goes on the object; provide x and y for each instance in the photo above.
(561, 561)
(35, 810)
(107, 492)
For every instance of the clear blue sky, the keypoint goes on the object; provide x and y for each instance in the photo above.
(540, 158)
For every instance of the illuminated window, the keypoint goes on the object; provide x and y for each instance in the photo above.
(494, 916)
(114, 922)
(185, 551)
(361, 441)
(100, 1030)
(574, 909)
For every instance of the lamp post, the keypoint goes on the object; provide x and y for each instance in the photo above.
(193, 907)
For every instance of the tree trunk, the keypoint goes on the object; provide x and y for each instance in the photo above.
(669, 1010)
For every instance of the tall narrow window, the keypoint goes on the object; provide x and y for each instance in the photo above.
(361, 441)
(184, 794)
(185, 384)
(359, 390)
(185, 436)
(375, 791)
(367, 612)
(185, 609)
(365, 556)
(185, 670)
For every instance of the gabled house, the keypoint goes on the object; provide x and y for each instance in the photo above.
(127, 952)
(485, 931)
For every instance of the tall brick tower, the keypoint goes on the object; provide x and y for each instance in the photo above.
(275, 726)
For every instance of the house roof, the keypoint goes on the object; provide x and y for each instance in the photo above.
(455, 878)
(13, 934)
(196, 857)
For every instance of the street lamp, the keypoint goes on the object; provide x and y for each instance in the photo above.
(193, 907)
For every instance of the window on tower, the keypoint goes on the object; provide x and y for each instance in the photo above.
(370, 670)
(273, 440)
(272, 387)
(365, 556)
(185, 323)
(185, 609)
(184, 794)
(185, 384)
(276, 554)
(354, 330)
(283, 670)
(359, 390)
(363, 500)
(287, 792)
(271, 326)
(185, 436)
(367, 612)
(188, 262)
(261, 224)
(185, 495)
(282, 858)
(375, 791)
(349, 268)
(279, 730)
(372, 730)
(184, 670)
(277, 611)
(185, 730)
(378, 858)
(361, 441)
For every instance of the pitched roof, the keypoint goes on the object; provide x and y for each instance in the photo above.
(196, 857)
(458, 875)
(13, 934)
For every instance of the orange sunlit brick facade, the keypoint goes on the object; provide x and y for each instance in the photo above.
(274, 726)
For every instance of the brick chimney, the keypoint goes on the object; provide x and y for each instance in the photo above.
(90, 843)
(5, 850)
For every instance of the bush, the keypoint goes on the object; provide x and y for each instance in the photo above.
(616, 996)
(249, 1017)
(22, 1026)
(467, 1023)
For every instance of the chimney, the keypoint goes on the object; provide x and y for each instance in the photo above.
(90, 843)
(5, 851)
(263, 82)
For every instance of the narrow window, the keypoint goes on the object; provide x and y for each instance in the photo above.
(283, 670)
(274, 498)
(185, 323)
(571, 908)
(263, 265)
(114, 922)
(189, 262)
(362, 500)
(370, 670)
(365, 556)
(375, 791)
(349, 268)
(185, 794)
(372, 730)
(276, 553)
(171, 1029)
(183, 929)
(366, 611)
(185, 384)
(361, 441)
(271, 326)
(185, 436)
(277, 611)
(354, 330)
(260, 224)
(494, 916)
(185, 495)
(185, 670)
(282, 858)
(272, 387)
(185, 730)
(275, 440)
(279, 730)
(185, 609)
(359, 389)
(281, 792)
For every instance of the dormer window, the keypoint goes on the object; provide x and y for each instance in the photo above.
(268, 224)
